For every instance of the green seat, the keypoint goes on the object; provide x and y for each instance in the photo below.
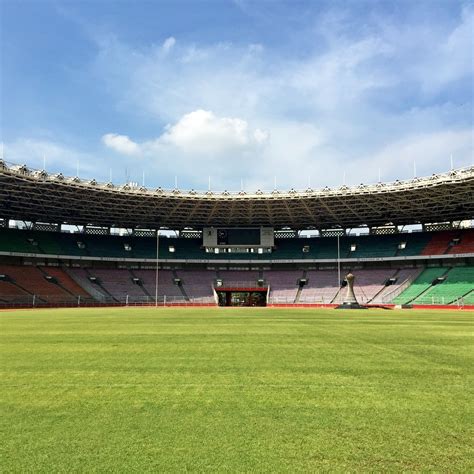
(458, 283)
(420, 285)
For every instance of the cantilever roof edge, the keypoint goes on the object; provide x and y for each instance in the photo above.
(452, 176)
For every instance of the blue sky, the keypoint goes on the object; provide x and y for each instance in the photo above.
(307, 92)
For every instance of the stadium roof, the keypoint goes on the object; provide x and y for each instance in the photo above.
(33, 195)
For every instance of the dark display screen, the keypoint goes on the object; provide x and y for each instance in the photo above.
(238, 237)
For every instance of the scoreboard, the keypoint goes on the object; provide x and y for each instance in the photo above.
(238, 237)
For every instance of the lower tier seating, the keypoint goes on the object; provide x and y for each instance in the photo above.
(10, 292)
(45, 284)
(420, 285)
(438, 285)
(402, 279)
(322, 287)
(469, 298)
(66, 282)
(459, 282)
(283, 285)
(368, 284)
(198, 284)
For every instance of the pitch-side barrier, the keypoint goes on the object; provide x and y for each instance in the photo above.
(34, 301)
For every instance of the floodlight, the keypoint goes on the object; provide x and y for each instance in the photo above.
(302, 282)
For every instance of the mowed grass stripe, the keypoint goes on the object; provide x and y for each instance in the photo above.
(144, 389)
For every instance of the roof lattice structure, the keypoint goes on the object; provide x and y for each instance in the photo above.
(37, 196)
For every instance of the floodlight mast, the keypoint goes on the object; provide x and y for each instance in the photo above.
(338, 262)
(157, 259)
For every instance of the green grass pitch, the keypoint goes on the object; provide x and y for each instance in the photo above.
(145, 389)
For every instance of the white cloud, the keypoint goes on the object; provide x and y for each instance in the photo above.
(199, 132)
(200, 144)
(261, 136)
(121, 144)
(202, 132)
(168, 44)
(350, 97)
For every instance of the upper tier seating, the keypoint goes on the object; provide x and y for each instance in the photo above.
(12, 240)
(112, 246)
(375, 246)
(439, 242)
(465, 245)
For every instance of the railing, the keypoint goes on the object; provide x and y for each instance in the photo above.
(35, 301)
(438, 300)
(397, 291)
(302, 300)
(239, 284)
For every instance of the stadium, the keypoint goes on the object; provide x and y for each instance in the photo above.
(126, 375)
(86, 243)
(302, 301)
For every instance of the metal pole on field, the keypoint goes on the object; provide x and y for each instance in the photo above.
(157, 256)
(338, 262)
